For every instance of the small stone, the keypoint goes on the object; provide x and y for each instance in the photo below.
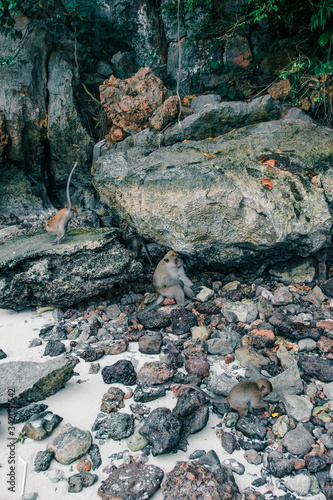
(54, 348)
(35, 342)
(282, 296)
(41, 425)
(84, 465)
(182, 321)
(29, 496)
(299, 484)
(136, 442)
(162, 430)
(200, 332)
(77, 482)
(253, 457)
(95, 456)
(154, 373)
(92, 354)
(229, 442)
(205, 294)
(298, 441)
(23, 414)
(150, 344)
(245, 311)
(113, 426)
(198, 366)
(234, 465)
(112, 400)
(43, 460)
(121, 372)
(328, 391)
(69, 444)
(131, 481)
(94, 368)
(298, 407)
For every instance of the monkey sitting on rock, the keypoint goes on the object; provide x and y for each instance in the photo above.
(170, 282)
(244, 396)
(59, 222)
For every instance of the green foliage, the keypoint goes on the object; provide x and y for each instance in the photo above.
(82, 18)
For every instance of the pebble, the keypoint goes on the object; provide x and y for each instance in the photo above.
(299, 484)
(77, 482)
(113, 426)
(298, 407)
(41, 425)
(132, 481)
(162, 430)
(54, 348)
(121, 372)
(35, 342)
(43, 460)
(69, 443)
(298, 441)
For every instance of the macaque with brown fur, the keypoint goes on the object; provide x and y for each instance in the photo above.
(58, 224)
(244, 397)
(170, 281)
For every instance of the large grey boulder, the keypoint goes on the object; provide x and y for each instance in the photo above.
(207, 199)
(87, 262)
(28, 381)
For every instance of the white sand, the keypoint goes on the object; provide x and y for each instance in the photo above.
(79, 404)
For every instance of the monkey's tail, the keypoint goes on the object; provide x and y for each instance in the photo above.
(208, 396)
(69, 204)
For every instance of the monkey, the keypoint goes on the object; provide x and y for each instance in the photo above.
(244, 396)
(135, 245)
(58, 224)
(170, 282)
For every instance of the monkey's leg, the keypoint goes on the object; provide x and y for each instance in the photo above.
(147, 252)
(240, 407)
(174, 292)
(188, 292)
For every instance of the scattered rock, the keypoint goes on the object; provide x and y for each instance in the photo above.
(69, 443)
(121, 372)
(23, 414)
(41, 425)
(113, 426)
(137, 481)
(43, 460)
(182, 321)
(77, 482)
(298, 441)
(162, 430)
(34, 381)
(217, 484)
(154, 373)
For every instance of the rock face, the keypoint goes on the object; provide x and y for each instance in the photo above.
(130, 103)
(31, 381)
(41, 122)
(85, 264)
(174, 194)
(68, 138)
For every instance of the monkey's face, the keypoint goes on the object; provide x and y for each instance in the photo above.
(265, 387)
